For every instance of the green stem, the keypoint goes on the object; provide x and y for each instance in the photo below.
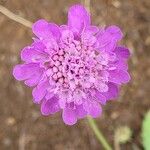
(98, 134)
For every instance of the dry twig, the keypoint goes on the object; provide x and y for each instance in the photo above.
(15, 17)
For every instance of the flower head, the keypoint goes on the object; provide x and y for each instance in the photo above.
(75, 68)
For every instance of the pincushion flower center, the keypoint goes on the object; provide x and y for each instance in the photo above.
(73, 65)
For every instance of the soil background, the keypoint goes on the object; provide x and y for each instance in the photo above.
(21, 125)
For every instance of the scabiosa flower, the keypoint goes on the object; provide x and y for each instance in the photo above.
(74, 68)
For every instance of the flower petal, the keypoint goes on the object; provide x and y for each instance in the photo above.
(101, 86)
(115, 32)
(55, 30)
(40, 91)
(50, 106)
(38, 45)
(69, 116)
(119, 65)
(78, 18)
(30, 54)
(33, 80)
(93, 108)
(101, 98)
(43, 29)
(81, 113)
(51, 45)
(119, 76)
(93, 29)
(122, 52)
(67, 36)
(108, 38)
(112, 92)
(25, 71)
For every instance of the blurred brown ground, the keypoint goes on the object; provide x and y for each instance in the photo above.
(21, 125)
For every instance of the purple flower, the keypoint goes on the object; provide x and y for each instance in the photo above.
(75, 68)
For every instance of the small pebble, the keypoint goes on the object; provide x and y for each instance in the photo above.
(10, 121)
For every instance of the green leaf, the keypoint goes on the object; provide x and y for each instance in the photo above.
(146, 131)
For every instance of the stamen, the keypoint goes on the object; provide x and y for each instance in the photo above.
(55, 69)
(61, 80)
(55, 57)
(57, 63)
(55, 77)
(61, 52)
(59, 74)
